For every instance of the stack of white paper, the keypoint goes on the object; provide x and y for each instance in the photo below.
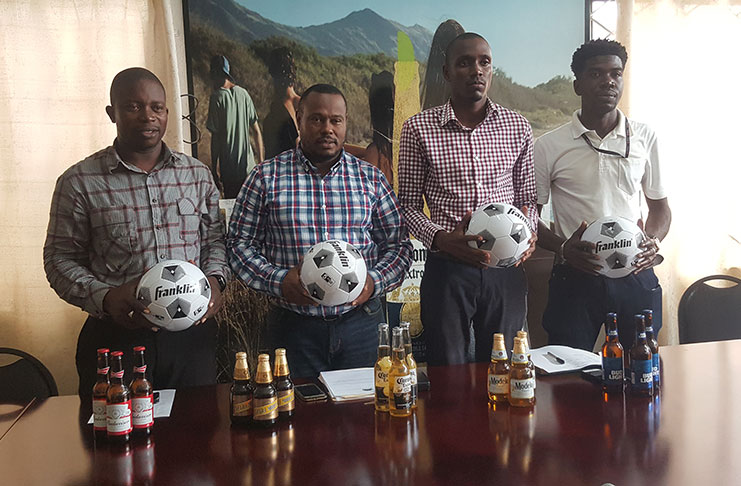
(563, 359)
(353, 384)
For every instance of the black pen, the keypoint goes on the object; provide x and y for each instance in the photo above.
(558, 360)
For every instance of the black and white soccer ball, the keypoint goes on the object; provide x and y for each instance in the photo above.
(505, 231)
(616, 241)
(176, 293)
(333, 272)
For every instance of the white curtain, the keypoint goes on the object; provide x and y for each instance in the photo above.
(684, 79)
(58, 59)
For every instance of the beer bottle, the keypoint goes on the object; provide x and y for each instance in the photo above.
(283, 385)
(265, 401)
(400, 383)
(241, 393)
(100, 389)
(381, 369)
(142, 403)
(406, 337)
(526, 341)
(521, 377)
(118, 403)
(612, 357)
(498, 371)
(653, 345)
(641, 364)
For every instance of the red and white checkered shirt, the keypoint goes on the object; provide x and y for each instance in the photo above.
(457, 169)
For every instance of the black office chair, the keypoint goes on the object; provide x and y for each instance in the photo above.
(708, 313)
(24, 379)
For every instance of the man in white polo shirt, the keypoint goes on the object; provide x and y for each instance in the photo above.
(599, 164)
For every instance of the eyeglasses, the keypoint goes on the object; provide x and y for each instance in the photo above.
(610, 152)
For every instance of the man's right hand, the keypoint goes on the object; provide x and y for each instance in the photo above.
(455, 244)
(580, 254)
(121, 304)
(292, 289)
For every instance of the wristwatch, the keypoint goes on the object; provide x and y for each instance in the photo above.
(221, 280)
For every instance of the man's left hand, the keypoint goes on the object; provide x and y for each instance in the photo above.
(533, 239)
(649, 257)
(366, 293)
(216, 298)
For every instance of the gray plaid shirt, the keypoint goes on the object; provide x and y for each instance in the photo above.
(110, 222)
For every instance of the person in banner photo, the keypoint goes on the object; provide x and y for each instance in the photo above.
(599, 164)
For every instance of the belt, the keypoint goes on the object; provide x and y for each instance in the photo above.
(333, 318)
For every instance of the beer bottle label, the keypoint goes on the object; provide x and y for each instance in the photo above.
(413, 381)
(498, 384)
(612, 371)
(382, 378)
(382, 387)
(656, 365)
(522, 388)
(286, 401)
(403, 392)
(142, 412)
(99, 414)
(519, 358)
(118, 418)
(498, 354)
(612, 332)
(242, 405)
(265, 408)
(641, 374)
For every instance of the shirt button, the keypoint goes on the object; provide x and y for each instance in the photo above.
(154, 199)
(158, 227)
(163, 256)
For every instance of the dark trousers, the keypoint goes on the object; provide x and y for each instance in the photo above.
(315, 344)
(578, 303)
(174, 359)
(454, 295)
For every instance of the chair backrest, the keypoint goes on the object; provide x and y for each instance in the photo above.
(24, 379)
(708, 313)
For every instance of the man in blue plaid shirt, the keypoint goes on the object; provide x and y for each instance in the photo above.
(301, 197)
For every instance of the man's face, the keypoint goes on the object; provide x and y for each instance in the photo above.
(468, 69)
(140, 114)
(600, 85)
(322, 122)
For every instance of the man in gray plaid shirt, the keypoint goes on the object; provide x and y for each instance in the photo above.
(119, 212)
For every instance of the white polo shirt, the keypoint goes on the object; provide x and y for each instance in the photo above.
(584, 184)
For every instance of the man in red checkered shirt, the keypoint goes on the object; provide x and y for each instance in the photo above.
(457, 157)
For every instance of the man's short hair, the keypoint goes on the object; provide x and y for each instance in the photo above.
(594, 48)
(129, 76)
(462, 37)
(322, 89)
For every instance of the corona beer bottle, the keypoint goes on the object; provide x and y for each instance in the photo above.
(118, 403)
(100, 389)
(653, 345)
(381, 369)
(265, 401)
(406, 337)
(612, 357)
(142, 398)
(641, 363)
(498, 371)
(241, 393)
(283, 385)
(521, 377)
(400, 383)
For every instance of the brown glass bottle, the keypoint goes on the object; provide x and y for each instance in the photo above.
(498, 375)
(142, 398)
(612, 357)
(406, 338)
(653, 345)
(284, 385)
(400, 383)
(521, 377)
(242, 392)
(118, 403)
(381, 369)
(265, 398)
(100, 390)
(641, 364)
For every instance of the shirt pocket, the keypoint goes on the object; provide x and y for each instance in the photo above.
(630, 173)
(114, 237)
(189, 213)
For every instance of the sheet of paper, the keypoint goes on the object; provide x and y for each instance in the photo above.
(350, 384)
(548, 359)
(162, 408)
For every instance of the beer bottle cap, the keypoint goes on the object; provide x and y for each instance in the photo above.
(241, 355)
(117, 353)
(104, 350)
(280, 352)
(139, 348)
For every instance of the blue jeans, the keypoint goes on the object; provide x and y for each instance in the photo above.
(315, 344)
(578, 303)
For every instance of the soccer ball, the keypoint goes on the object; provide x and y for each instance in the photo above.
(333, 272)
(176, 293)
(616, 241)
(505, 232)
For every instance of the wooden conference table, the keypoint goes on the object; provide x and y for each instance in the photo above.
(688, 435)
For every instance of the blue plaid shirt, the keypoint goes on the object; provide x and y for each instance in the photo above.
(286, 206)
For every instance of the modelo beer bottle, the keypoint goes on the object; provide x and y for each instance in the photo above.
(142, 403)
(498, 376)
(526, 341)
(406, 339)
(100, 390)
(241, 393)
(612, 357)
(653, 345)
(381, 369)
(265, 398)
(521, 377)
(118, 403)
(283, 385)
(400, 383)
(641, 362)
